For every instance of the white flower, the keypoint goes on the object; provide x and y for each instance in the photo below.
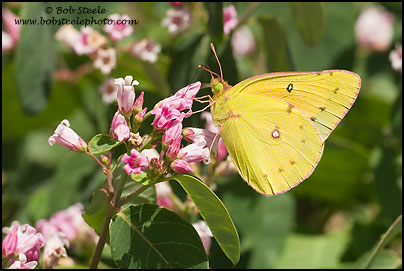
(108, 90)
(22, 263)
(106, 60)
(177, 20)
(146, 50)
(242, 41)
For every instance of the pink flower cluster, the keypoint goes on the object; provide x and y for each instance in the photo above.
(22, 241)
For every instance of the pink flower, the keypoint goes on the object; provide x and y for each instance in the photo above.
(146, 50)
(68, 138)
(226, 167)
(181, 166)
(183, 98)
(136, 163)
(22, 263)
(109, 91)
(242, 42)
(177, 20)
(29, 241)
(164, 116)
(126, 94)
(120, 27)
(9, 244)
(195, 152)
(12, 33)
(229, 18)
(396, 58)
(139, 117)
(219, 149)
(176, 4)
(105, 60)
(163, 193)
(204, 232)
(119, 127)
(139, 102)
(374, 29)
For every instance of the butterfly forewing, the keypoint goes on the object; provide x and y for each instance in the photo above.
(272, 143)
(324, 97)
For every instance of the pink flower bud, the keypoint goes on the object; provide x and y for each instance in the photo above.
(137, 107)
(119, 128)
(229, 19)
(11, 27)
(68, 138)
(174, 148)
(181, 166)
(139, 117)
(126, 94)
(9, 244)
(136, 163)
(195, 152)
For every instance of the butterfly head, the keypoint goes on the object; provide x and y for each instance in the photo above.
(219, 86)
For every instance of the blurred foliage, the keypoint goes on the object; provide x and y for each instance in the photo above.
(331, 220)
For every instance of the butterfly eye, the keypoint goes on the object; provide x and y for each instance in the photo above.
(218, 87)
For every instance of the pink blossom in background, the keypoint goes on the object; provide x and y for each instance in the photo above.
(374, 29)
(136, 163)
(242, 42)
(120, 28)
(12, 30)
(108, 90)
(396, 58)
(105, 60)
(204, 232)
(226, 167)
(126, 94)
(23, 264)
(68, 138)
(146, 50)
(163, 192)
(229, 18)
(29, 241)
(176, 4)
(177, 20)
(119, 127)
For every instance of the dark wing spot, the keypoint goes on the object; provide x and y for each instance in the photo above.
(330, 73)
(289, 109)
(292, 162)
(336, 90)
(290, 88)
(322, 108)
(313, 118)
(303, 140)
(265, 175)
(301, 127)
(280, 170)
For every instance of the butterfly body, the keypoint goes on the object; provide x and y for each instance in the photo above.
(274, 125)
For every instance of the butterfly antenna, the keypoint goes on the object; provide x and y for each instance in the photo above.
(217, 59)
(202, 67)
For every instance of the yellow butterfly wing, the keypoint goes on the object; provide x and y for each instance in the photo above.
(324, 96)
(273, 144)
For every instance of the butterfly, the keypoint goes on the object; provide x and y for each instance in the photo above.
(275, 125)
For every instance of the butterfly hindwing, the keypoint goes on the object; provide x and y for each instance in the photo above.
(272, 143)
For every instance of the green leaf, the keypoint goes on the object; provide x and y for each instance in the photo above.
(214, 213)
(35, 60)
(308, 251)
(149, 236)
(102, 143)
(147, 196)
(96, 212)
(276, 47)
(215, 21)
(309, 18)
